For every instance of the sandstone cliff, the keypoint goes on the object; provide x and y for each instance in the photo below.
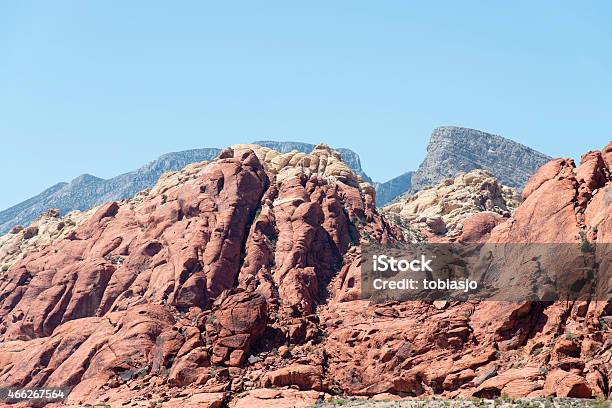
(237, 282)
(189, 277)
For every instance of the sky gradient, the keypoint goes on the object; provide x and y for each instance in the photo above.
(104, 87)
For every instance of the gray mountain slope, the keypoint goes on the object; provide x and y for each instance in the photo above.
(387, 191)
(453, 150)
(26, 207)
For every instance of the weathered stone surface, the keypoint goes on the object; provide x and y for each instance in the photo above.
(564, 384)
(43, 231)
(237, 320)
(218, 253)
(305, 377)
(513, 383)
(163, 249)
(454, 150)
(281, 398)
(348, 156)
(442, 209)
(243, 273)
(198, 400)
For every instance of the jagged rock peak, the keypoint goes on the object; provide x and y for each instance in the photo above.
(321, 161)
(453, 150)
(348, 156)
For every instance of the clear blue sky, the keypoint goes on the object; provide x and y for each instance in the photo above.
(103, 87)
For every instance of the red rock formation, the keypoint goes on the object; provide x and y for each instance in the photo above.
(475, 349)
(242, 275)
(185, 281)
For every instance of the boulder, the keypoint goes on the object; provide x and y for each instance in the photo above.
(565, 384)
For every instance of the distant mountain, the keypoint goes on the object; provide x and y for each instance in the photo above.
(87, 191)
(454, 150)
(27, 209)
(387, 191)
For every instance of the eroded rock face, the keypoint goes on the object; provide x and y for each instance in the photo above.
(162, 250)
(322, 161)
(237, 282)
(184, 284)
(348, 156)
(453, 150)
(441, 210)
(491, 349)
(45, 230)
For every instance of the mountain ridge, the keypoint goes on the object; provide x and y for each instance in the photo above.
(453, 150)
(86, 191)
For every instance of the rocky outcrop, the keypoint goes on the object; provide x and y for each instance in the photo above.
(442, 209)
(237, 321)
(236, 283)
(349, 157)
(317, 199)
(454, 150)
(187, 283)
(42, 232)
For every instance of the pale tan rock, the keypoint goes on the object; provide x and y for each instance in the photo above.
(321, 161)
(441, 209)
(43, 231)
